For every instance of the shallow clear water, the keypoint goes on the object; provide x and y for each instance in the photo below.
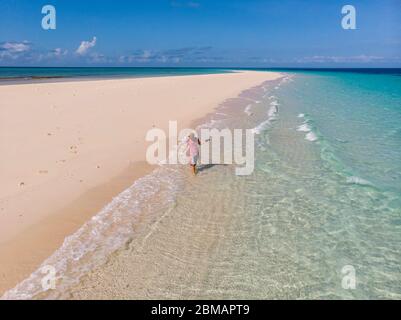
(325, 193)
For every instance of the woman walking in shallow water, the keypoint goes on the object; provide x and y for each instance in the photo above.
(193, 144)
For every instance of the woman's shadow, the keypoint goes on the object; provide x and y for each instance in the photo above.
(208, 166)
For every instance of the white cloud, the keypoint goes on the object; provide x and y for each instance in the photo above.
(188, 54)
(141, 56)
(15, 47)
(85, 46)
(98, 58)
(52, 55)
(14, 50)
(341, 59)
(58, 52)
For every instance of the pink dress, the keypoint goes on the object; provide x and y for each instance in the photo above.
(193, 147)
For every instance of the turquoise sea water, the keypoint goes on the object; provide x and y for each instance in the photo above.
(342, 199)
(325, 194)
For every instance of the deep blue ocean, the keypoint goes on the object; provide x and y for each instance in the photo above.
(107, 72)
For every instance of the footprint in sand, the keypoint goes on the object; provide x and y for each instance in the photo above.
(73, 149)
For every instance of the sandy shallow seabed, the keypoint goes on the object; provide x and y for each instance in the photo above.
(67, 148)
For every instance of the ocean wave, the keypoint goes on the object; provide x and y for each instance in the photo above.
(261, 127)
(311, 136)
(212, 123)
(394, 132)
(271, 114)
(274, 103)
(304, 128)
(287, 79)
(248, 110)
(359, 181)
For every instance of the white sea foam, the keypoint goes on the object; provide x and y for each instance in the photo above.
(274, 103)
(301, 115)
(358, 181)
(271, 114)
(261, 127)
(304, 128)
(311, 136)
(248, 110)
(211, 124)
(287, 79)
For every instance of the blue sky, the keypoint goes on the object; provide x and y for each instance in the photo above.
(221, 33)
